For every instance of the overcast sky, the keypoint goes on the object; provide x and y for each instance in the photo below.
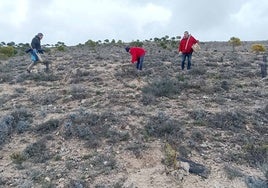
(76, 21)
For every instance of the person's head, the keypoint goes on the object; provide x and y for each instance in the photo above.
(127, 48)
(40, 35)
(186, 34)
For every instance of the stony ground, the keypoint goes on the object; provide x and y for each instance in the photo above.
(93, 121)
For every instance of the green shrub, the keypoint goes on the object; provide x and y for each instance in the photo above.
(61, 48)
(17, 158)
(170, 156)
(91, 43)
(136, 43)
(258, 48)
(7, 51)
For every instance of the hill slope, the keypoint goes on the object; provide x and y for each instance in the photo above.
(91, 122)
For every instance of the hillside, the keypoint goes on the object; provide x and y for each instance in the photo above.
(91, 122)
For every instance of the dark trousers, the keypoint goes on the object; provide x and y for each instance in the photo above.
(183, 59)
(139, 63)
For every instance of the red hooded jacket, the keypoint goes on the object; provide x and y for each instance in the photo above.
(186, 45)
(136, 52)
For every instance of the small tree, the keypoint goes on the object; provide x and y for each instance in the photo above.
(234, 41)
(119, 42)
(106, 41)
(91, 43)
(11, 43)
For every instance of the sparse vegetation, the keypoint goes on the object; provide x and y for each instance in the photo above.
(93, 121)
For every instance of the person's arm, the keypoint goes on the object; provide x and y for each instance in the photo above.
(133, 57)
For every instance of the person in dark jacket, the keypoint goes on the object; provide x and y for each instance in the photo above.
(137, 55)
(35, 52)
(185, 48)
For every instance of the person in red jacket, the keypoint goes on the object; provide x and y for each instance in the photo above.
(185, 48)
(137, 54)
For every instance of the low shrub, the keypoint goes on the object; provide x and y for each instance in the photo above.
(226, 120)
(232, 172)
(7, 51)
(258, 48)
(163, 127)
(77, 184)
(17, 121)
(37, 152)
(165, 87)
(256, 153)
(17, 158)
(47, 127)
(93, 126)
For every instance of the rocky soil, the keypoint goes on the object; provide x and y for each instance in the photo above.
(93, 121)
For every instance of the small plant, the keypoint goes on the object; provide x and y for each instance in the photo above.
(232, 172)
(148, 99)
(57, 158)
(257, 48)
(47, 127)
(37, 152)
(103, 163)
(198, 136)
(256, 153)
(78, 91)
(170, 156)
(17, 158)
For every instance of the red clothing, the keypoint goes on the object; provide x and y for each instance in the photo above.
(136, 52)
(186, 47)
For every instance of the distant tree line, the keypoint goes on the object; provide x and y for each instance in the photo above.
(11, 48)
